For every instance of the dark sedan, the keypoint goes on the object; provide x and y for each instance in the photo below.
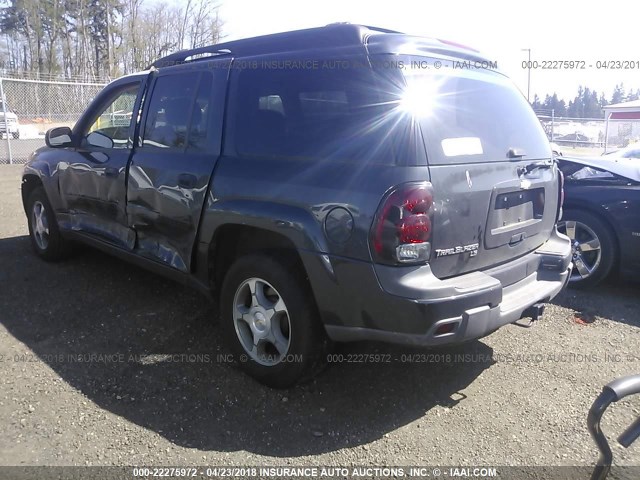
(602, 217)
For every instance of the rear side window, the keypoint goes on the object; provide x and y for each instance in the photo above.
(199, 126)
(177, 114)
(330, 102)
(271, 102)
(331, 113)
(471, 115)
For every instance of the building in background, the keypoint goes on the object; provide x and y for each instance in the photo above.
(622, 124)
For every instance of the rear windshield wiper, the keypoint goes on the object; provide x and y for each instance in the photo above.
(534, 166)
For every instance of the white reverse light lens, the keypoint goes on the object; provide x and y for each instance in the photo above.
(412, 252)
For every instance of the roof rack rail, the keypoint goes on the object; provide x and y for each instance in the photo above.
(368, 27)
(183, 56)
(334, 34)
(381, 30)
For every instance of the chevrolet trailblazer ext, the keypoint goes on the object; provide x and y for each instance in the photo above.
(326, 184)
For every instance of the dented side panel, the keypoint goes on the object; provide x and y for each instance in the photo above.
(167, 187)
(92, 180)
(92, 189)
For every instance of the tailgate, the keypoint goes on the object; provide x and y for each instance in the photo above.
(489, 214)
(495, 186)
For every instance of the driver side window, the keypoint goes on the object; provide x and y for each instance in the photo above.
(111, 127)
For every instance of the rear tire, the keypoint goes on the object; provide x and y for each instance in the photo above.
(43, 228)
(16, 135)
(594, 245)
(270, 322)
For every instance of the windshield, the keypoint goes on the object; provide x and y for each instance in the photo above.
(472, 115)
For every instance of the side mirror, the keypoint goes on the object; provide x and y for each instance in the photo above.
(97, 139)
(58, 137)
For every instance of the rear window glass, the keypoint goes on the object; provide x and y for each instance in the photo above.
(178, 112)
(471, 116)
(331, 113)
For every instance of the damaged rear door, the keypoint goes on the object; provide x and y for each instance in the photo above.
(173, 160)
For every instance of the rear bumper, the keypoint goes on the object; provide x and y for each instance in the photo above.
(410, 305)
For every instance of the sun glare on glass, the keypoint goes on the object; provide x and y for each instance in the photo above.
(420, 98)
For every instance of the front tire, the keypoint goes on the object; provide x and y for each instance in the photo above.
(270, 321)
(594, 247)
(16, 135)
(43, 228)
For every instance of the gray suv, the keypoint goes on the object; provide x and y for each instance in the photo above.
(338, 183)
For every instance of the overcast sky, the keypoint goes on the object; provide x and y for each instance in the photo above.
(553, 29)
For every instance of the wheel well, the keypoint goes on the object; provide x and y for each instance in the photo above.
(29, 184)
(233, 241)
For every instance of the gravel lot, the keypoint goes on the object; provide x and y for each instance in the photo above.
(137, 405)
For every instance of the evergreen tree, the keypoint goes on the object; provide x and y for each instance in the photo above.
(603, 101)
(633, 96)
(618, 94)
(592, 109)
(536, 105)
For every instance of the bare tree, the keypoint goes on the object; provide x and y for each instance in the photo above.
(99, 39)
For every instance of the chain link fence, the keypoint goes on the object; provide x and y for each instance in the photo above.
(585, 135)
(31, 107)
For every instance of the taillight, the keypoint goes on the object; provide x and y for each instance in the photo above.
(560, 194)
(402, 226)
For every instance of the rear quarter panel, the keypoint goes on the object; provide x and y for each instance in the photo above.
(294, 197)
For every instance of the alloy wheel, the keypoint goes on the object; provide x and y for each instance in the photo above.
(586, 249)
(261, 321)
(40, 225)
